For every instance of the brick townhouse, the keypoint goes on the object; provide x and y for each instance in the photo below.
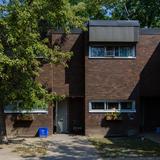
(111, 85)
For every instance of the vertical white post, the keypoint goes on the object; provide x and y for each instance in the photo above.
(56, 115)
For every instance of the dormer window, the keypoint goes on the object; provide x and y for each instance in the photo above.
(112, 51)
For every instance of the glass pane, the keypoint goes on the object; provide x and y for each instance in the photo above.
(127, 52)
(117, 51)
(124, 51)
(110, 51)
(98, 105)
(126, 105)
(97, 51)
(131, 52)
(113, 105)
(10, 107)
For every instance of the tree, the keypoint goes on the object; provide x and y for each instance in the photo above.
(146, 11)
(96, 9)
(23, 28)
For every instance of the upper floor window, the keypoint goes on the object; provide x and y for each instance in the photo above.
(112, 52)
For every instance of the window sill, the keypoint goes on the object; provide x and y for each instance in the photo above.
(111, 111)
(29, 112)
(112, 58)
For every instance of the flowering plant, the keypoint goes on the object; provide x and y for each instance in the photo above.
(113, 116)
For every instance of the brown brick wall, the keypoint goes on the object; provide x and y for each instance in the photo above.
(97, 79)
(64, 81)
(70, 81)
(116, 79)
(26, 128)
(29, 128)
(149, 76)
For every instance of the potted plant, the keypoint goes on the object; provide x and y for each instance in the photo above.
(113, 116)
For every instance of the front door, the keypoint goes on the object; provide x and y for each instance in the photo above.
(62, 117)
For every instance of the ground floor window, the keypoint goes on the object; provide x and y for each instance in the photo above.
(112, 106)
(13, 108)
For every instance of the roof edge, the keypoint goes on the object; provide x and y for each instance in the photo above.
(150, 31)
(114, 23)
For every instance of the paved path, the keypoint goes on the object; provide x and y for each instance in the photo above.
(153, 137)
(7, 154)
(59, 147)
(134, 158)
(66, 147)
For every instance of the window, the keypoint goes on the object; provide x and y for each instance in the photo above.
(112, 51)
(13, 108)
(112, 106)
(98, 105)
(126, 105)
(97, 51)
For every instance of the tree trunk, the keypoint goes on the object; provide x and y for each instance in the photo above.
(3, 133)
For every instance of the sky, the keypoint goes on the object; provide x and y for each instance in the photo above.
(1, 1)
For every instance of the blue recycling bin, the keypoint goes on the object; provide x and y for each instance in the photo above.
(158, 130)
(43, 132)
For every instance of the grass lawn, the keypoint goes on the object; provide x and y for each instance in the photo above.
(126, 147)
(31, 148)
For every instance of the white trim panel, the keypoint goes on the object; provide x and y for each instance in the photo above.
(25, 111)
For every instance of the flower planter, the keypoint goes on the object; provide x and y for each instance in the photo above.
(113, 116)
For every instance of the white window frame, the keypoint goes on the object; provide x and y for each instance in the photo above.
(95, 46)
(106, 110)
(97, 110)
(25, 111)
(44, 111)
(116, 57)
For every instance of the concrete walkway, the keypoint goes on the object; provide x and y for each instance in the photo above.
(66, 147)
(59, 147)
(6, 153)
(155, 137)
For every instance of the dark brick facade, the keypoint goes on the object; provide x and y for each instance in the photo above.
(121, 79)
(64, 81)
(70, 81)
(98, 79)
(29, 128)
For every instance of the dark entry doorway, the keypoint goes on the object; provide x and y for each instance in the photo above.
(69, 115)
(150, 113)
